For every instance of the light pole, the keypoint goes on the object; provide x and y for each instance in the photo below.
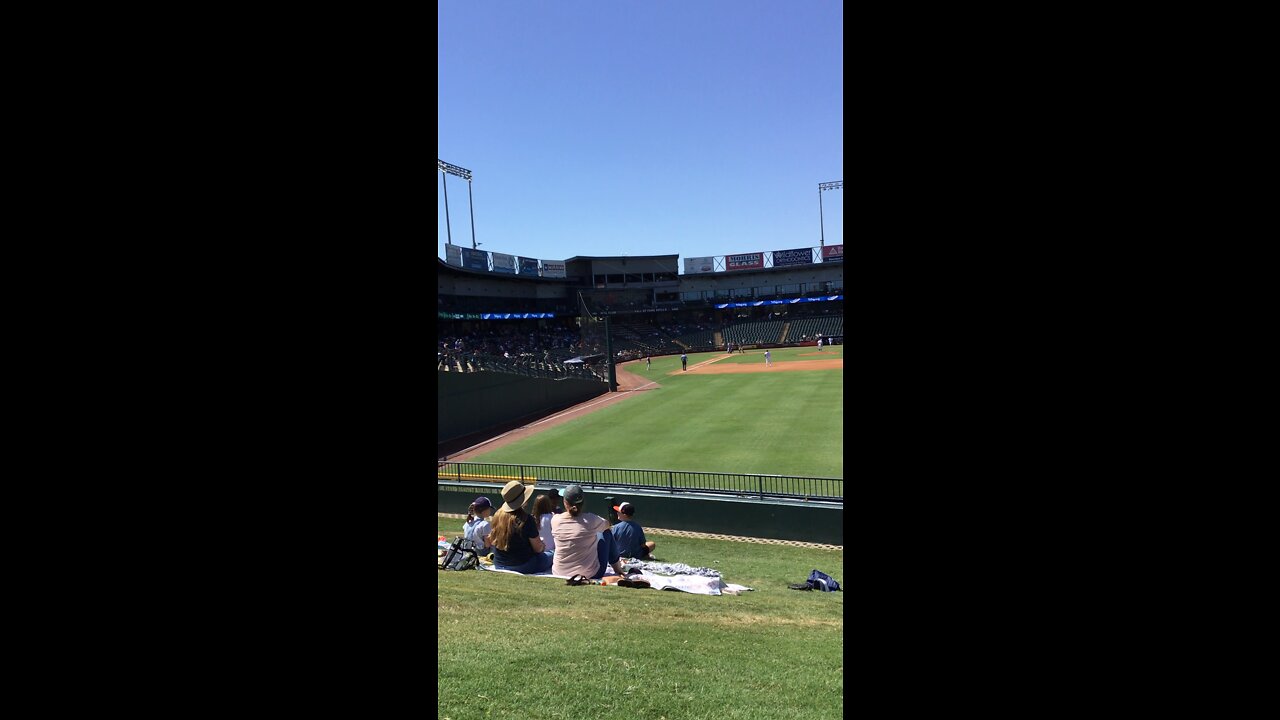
(836, 185)
(451, 169)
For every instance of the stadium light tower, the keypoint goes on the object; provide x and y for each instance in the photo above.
(451, 169)
(836, 185)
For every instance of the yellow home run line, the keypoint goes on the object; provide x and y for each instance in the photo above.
(449, 476)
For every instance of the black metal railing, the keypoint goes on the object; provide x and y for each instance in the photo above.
(674, 481)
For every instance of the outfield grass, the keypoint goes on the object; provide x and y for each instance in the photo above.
(526, 647)
(785, 423)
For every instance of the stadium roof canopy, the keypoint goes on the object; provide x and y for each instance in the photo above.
(620, 258)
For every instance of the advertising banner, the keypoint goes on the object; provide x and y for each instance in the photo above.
(495, 316)
(475, 259)
(833, 253)
(528, 266)
(453, 254)
(800, 256)
(744, 261)
(504, 263)
(552, 269)
(793, 301)
(698, 265)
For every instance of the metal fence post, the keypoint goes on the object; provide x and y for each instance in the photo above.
(761, 479)
(671, 481)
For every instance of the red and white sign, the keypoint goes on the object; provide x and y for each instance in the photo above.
(745, 261)
(833, 253)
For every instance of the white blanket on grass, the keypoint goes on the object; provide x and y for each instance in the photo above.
(695, 584)
(684, 583)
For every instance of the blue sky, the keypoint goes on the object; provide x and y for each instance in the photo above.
(641, 128)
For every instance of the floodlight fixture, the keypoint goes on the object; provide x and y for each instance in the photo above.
(834, 185)
(451, 169)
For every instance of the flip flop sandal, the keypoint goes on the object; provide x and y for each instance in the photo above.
(577, 580)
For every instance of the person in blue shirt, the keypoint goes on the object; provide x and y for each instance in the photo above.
(478, 525)
(629, 536)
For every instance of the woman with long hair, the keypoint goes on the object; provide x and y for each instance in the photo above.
(543, 511)
(516, 545)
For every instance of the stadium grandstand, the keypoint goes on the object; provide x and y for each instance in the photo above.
(560, 327)
(533, 315)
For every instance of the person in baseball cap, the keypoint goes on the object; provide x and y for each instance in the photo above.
(478, 525)
(573, 496)
(585, 547)
(630, 536)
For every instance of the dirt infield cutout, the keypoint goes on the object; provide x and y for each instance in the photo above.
(708, 367)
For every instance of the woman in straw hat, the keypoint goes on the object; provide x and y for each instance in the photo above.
(516, 545)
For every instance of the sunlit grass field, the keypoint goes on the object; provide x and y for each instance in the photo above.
(775, 423)
(527, 647)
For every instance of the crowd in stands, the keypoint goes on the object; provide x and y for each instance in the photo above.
(502, 345)
(511, 341)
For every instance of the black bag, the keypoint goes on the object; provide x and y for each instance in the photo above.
(818, 580)
(822, 581)
(461, 555)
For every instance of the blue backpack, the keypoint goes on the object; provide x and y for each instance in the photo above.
(823, 581)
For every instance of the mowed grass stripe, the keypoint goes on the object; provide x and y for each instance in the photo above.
(771, 423)
(650, 654)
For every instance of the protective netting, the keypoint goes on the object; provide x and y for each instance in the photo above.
(592, 329)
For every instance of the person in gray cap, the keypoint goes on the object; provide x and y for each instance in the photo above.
(584, 541)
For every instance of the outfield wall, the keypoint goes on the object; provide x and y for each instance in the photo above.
(472, 402)
(817, 522)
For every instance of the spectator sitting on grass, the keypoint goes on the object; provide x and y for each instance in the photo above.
(584, 543)
(477, 527)
(543, 511)
(630, 536)
(516, 545)
(556, 500)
